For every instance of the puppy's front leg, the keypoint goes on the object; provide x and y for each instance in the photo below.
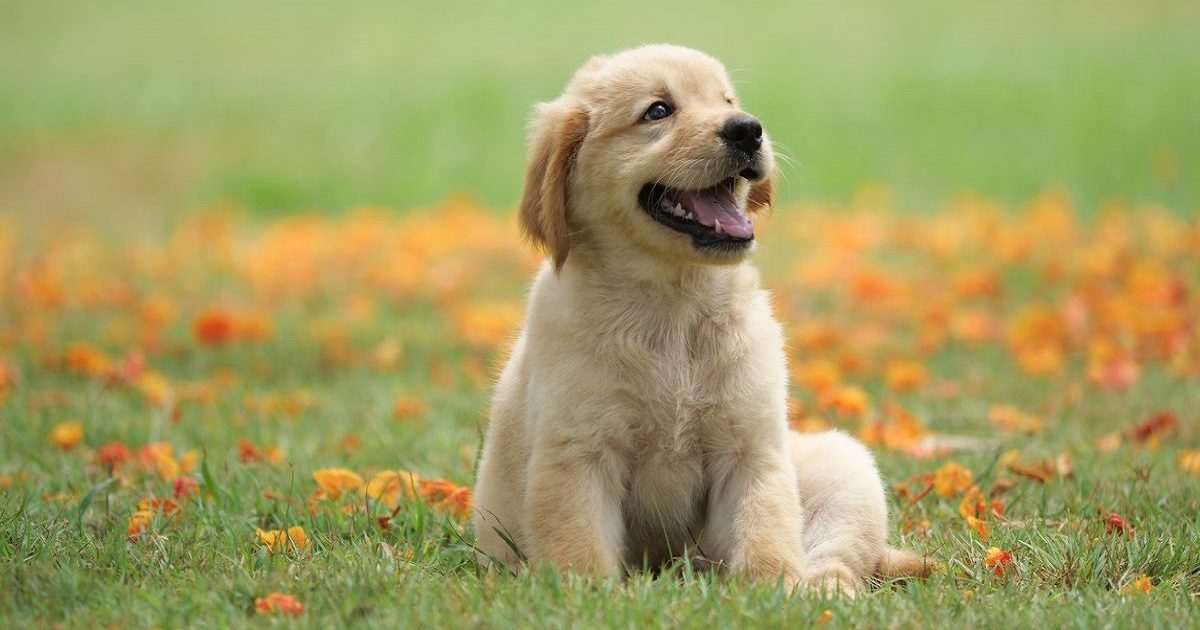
(574, 507)
(754, 520)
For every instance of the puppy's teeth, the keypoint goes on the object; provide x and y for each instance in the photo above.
(717, 226)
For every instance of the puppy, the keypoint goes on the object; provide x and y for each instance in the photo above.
(642, 415)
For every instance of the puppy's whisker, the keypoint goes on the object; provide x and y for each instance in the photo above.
(788, 164)
(681, 169)
(784, 152)
(787, 167)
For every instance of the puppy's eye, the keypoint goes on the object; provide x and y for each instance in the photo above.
(658, 111)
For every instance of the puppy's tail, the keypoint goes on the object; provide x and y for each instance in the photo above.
(898, 564)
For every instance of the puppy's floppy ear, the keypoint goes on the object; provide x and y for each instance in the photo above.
(762, 194)
(558, 130)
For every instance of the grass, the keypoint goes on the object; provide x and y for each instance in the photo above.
(296, 105)
(163, 284)
(356, 356)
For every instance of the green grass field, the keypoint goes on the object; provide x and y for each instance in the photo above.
(301, 105)
(242, 243)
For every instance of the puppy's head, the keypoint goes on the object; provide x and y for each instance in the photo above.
(648, 152)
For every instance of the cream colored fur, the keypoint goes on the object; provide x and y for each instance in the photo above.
(642, 414)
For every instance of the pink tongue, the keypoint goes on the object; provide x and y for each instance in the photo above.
(718, 204)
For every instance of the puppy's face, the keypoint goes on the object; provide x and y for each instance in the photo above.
(648, 151)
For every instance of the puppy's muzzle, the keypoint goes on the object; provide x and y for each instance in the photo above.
(743, 135)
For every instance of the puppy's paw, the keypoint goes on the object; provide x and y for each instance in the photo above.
(833, 579)
(793, 581)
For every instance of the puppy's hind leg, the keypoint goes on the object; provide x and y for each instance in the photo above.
(844, 508)
(900, 563)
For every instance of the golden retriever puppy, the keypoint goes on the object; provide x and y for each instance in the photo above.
(642, 415)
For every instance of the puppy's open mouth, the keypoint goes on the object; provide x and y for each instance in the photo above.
(713, 217)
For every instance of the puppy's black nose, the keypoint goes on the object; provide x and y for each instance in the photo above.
(743, 133)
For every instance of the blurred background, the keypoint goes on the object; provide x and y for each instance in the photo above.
(132, 107)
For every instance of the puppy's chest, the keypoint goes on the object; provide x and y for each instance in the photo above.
(666, 483)
(672, 350)
(674, 374)
(674, 370)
